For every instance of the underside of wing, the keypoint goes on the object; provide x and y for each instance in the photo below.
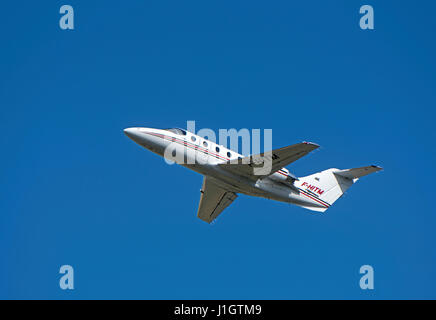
(213, 201)
(265, 164)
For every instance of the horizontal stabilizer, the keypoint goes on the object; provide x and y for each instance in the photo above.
(357, 173)
(327, 186)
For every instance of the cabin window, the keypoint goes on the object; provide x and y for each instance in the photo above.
(205, 143)
(193, 138)
(229, 154)
(217, 149)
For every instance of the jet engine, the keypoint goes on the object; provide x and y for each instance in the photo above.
(283, 175)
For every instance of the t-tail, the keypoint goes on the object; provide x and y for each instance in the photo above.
(325, 187)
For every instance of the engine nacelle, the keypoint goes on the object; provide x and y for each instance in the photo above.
(283, 175)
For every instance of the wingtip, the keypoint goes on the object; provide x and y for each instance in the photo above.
(311, 143)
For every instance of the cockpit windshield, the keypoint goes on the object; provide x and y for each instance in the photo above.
(177, 131)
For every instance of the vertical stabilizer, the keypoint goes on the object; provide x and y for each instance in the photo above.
(329, 185)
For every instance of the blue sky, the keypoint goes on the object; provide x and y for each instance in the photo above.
(74, 190)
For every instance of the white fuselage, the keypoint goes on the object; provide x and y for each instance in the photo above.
(204, 157)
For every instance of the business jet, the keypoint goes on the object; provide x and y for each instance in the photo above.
(227, 173)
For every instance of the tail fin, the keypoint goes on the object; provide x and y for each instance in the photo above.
(327, 186)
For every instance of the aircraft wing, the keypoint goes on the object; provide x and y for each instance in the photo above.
(213, 201)
(265, 164)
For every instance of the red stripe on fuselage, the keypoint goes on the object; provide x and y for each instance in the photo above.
(188, 144)
(315, 199)
(196, 147)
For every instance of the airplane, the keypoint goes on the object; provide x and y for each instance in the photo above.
(228, 173)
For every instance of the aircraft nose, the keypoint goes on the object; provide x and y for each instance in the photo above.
(134, 134)
(130, 132)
